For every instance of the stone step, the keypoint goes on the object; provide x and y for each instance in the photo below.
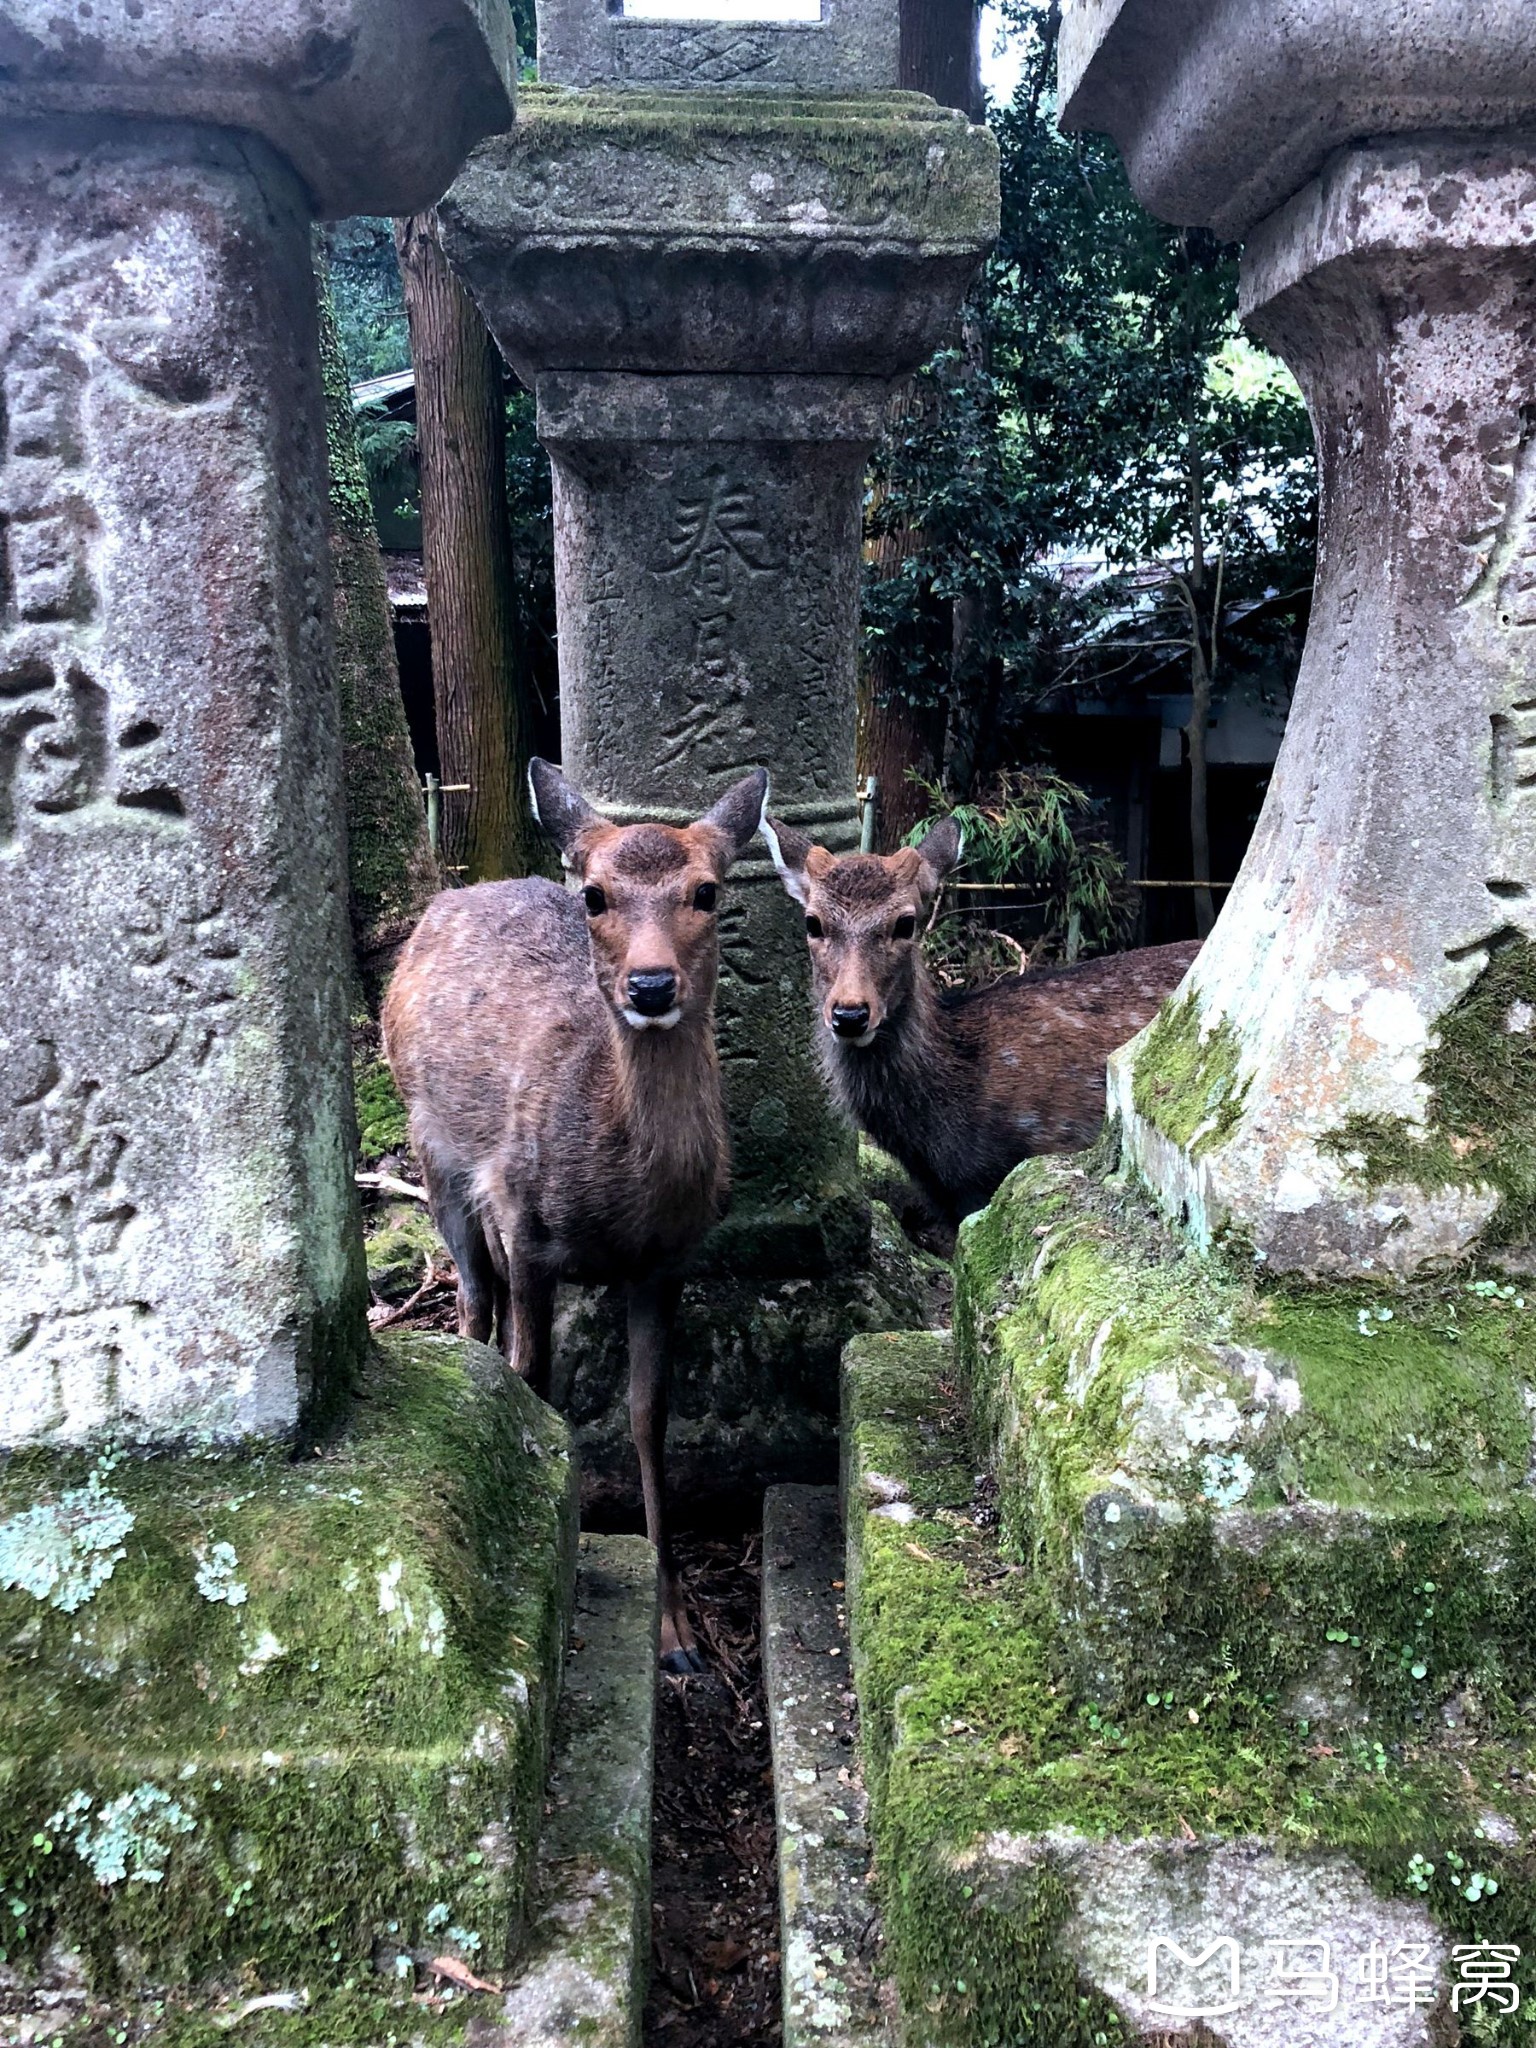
(587, 1956)
(833, 1994)
(1326, 1488)
(1194, 1867)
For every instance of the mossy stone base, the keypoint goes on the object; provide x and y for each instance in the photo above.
(1322, 1487)
(1029, 1845)
(270, 1720)
(754, 1376)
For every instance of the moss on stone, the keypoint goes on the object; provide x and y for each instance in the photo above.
(1212, 1472)
(299, 1726)
(382, 1123)
(976, 1728)
(1186, 1081)
(878, 150)
(1480, 1127)
(400, 1243)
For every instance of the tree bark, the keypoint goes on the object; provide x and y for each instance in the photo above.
(940, 53)
(391, 872)
(897, 739)
(894, 738)
(1200, 686)
(478, 684)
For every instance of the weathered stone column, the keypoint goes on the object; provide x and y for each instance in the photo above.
(1341, 1083)
(178, 1236)
(1280, 1528)
(711, 294)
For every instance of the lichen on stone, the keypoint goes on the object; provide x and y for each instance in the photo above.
(64, 1550)
(128, 1837)
(1480, 1123)
(986, 1759)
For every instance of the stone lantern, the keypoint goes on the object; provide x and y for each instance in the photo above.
(712, 250)
(1342, 1082)
(279, 1665)
(1257, 1382)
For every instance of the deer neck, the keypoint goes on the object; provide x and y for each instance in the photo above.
(668, 1100)
(902, 1088)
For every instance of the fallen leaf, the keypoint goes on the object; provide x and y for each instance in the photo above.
(460, 1974)
(917, 1550)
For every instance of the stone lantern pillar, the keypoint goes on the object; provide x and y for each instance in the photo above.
(178, 1228)
(712, 278)
(279, 1672)
(1342, 1082)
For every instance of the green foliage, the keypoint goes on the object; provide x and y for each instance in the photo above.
(370, 305)
(1100, 445)
(1031, 830)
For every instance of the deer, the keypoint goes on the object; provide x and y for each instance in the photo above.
(555, 1050)
(957, 1088)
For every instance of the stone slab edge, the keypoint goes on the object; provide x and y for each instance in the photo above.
(588, 1951)
(833, 1997)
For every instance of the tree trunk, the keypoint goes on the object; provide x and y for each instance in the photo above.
(897, 740)
(894, 738)
(1200, 683)
(940, 53)
(391, 872)
(482, 717)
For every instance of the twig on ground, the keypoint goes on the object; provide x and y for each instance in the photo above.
(391, 1184)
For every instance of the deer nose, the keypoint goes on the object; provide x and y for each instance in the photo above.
(653, 993)
(850, 1020)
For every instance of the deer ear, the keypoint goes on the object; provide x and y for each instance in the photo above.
(792, 855)
(940, 851)
(739, 813)
(563, 812)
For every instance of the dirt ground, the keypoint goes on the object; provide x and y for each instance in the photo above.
(715, 1911)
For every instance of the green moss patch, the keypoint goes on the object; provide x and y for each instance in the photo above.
(1323, 1487)
(887, 154)
(1187, 1081)
(279, 1720)
(382, 1123)
(1481, 1122)
(979, 1739)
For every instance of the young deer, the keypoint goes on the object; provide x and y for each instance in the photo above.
(958, 1088)
(557, 1056)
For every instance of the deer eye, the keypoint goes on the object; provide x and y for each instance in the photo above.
(904, 928)
(813, 928)
(594, 899)
(704, 896)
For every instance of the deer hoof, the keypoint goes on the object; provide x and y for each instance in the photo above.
(683, 1663)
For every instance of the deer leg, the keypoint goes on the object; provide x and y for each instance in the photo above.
(652, 1312)
(528, 1322)
(465, 1238)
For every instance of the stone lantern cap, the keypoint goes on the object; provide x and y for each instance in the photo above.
(834, 45)
(375, 103)
(1225, 108)
(777, 233)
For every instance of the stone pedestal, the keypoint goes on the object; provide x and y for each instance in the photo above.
(178, 1226)
(1348, 1083)
(711, 296)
